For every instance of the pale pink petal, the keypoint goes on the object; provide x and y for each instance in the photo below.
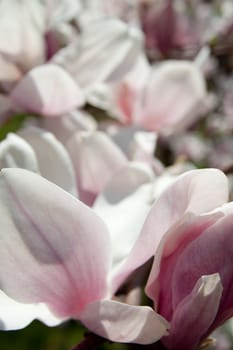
(123, 206)
(194, 315)
(15, 152)
(124, 323)
(96, 158)
(24, 23)
(53, 160)
(196, 191)
(14, 315)
(106, 50)
(54, 249)
(173, 96)
(125, 94)
(47, 90)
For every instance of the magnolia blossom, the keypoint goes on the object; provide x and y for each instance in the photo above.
(58, 239)
(64, 256)
(190, 280)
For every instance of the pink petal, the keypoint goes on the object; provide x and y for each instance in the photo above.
(196, 191)
(125, 94)
(49, 245)
(172, 98)
(96, 158)
(160, 283)
(211, 252)
(159, 23)
(53, 160)
(47, 90)
(124, 323)
(194, 315)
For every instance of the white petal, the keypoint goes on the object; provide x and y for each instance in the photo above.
(107, 49)
(124, 323)
(123, 206)
(15, 152)
(14, 315)
(53, 160)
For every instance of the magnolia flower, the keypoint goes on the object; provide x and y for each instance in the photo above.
(57, 255)
(56, 266)
(190, 280)
(99, 169)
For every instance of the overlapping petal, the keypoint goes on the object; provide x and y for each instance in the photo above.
(44, 253)
(105, 50)
(47, 90)
(96, 158)
(53, 160)
(195, 314)
(15, 152)
(123, 206)
(209, 253)
(173, 96)
(196, 191)
(124, 323)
